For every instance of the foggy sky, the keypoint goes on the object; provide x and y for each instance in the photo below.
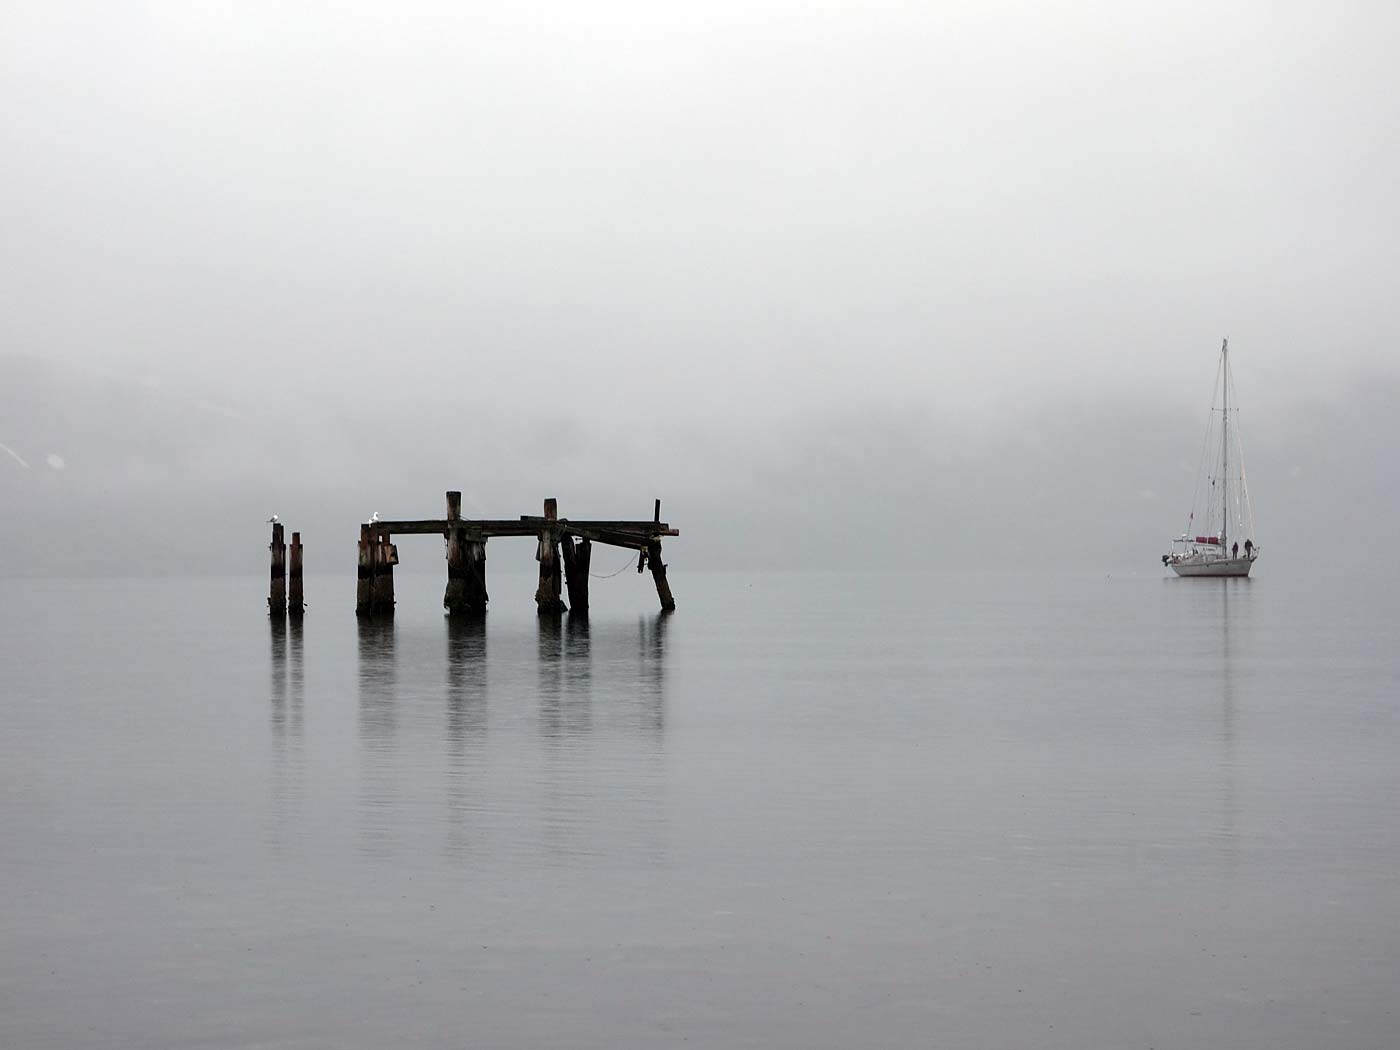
(853, 285)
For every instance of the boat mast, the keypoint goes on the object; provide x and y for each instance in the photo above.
(1224, 445)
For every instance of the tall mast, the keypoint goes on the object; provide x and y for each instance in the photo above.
(1224, 445)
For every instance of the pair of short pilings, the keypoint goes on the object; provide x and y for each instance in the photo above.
(374, 589)
(466, 565)
(284, 593)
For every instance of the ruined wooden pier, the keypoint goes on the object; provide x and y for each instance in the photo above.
(563, 549)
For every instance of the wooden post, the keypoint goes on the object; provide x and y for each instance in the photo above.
(364, 588)
(583, 558)
(476, 576)
(547, 595)
(645, 552)
(454, 600)
(296, 603)
(576, 559)
(277, 586)
(386, 556)
(566, 560)
(466, 565)
(476, 562)
(658, 574)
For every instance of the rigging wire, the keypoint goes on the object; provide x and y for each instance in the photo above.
(1205, 447)
(1248, 504)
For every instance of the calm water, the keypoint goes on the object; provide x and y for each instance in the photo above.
(835, 811)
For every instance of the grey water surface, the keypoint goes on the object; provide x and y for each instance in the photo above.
(1057, 810)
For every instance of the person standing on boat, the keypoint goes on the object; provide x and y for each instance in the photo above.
(1248, 547)
(1235, 550)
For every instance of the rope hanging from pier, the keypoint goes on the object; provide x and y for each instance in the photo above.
(625, 566)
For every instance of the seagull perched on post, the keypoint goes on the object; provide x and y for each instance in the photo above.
(272, 520)
(374, 517)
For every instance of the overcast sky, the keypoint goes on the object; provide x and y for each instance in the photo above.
(783, 264)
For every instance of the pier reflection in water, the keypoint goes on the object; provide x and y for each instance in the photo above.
(286, 720)
(493, 741)
(565, 679)
(650, 709)
(467, 687)
(601, 781)
(379, 730)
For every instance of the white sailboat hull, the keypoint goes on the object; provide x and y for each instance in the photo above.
(1198, 566)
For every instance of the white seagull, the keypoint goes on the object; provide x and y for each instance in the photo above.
(272, 520)
(374, 517)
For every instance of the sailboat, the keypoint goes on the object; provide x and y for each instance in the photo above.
(1221, 541)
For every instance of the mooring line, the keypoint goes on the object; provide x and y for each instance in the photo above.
(625, 566)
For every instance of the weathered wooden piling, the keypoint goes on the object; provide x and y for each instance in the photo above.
(658, 575)
(364, 586)
(476, 575)
(547, 594)
(277, 586)
(658, 567)
(296, 603)
(466, 564)
(386, 557)
(454, 599)
(577, 558)
(374, 593)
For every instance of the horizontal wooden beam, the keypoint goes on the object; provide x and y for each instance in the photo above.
(439, 526)
(630, 540)
(616, 533)
(627, 525)
(622, 528)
